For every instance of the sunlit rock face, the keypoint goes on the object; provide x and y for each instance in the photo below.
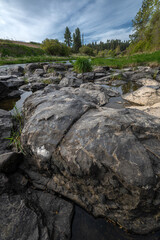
(104, 159)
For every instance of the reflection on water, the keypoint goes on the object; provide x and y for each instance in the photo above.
(8, 104)
(86, 227)
(124, 88)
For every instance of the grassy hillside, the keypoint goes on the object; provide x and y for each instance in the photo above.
(28, 44)
(16, 50)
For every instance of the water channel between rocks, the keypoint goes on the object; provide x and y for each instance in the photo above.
(85, 226)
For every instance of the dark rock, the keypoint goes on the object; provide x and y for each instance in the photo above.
(37, 86)
(9, 86)
(5, 130)
(17, 221)
(57, 213)
(4, 183)
(9, 162)
(14, 94)
(101, 69)
(85, 152)
(59, 66)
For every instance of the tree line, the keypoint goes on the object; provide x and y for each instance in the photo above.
(77, 43)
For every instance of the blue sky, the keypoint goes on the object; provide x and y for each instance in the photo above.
(35, 20)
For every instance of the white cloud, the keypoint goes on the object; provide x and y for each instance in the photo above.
(37, 19)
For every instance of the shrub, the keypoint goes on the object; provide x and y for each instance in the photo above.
(54, 47)
(82, 65)
(86, 50)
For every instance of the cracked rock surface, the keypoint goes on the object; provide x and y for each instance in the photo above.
(106, 160)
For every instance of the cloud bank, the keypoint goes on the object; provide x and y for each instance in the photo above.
(98, 20)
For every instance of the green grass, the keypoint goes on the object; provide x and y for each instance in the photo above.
(16, 50)
(15, 138)
(32, 59)
(134, 60)
(82, 65)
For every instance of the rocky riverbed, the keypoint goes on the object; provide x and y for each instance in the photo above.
(90, 139)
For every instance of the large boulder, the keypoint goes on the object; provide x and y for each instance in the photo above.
(106, 160)
(8, 86)
(144, 96)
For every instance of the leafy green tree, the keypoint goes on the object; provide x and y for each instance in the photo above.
(86, 50)
(54, 47)
(146, 26)
(77, 40)
(67, 37)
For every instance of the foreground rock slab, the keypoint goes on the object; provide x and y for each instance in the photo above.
(106, 160)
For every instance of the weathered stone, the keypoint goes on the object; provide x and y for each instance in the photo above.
(59, 66)
(148, 82)
(140, 75)
(144, 96)
(37, 86)
(88, 76)
(39, 72)
(62, 109)
(33, 66)
(101, 69)
(5, 130)
(9, 162)
(16, 220)
(103, 159)
(99, 75)
(17, 70)
(70, 82)
(153, 110)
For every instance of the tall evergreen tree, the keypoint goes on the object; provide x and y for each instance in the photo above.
(77, 40)
(67, 37)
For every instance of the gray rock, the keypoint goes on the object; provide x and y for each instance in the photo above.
(70, 82)
(148, 82)
(101, 69)
(37, 86)
(158, 77)
(9, 162)
(31, 67)
(59, 66)
(100, 75)
(5, 130)
(4, 183)
(16, 220)
(9, 86)
(56, 212)
(144, 96)
(88, 76)
(106, 160)
(17, 70)
(140, 75)
(60, 108)
(39, 72)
